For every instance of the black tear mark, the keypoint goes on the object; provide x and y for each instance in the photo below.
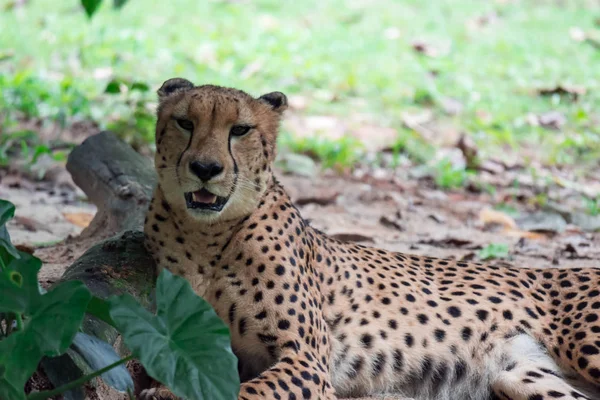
(184, 150)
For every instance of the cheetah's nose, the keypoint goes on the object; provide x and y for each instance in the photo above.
(205, 171)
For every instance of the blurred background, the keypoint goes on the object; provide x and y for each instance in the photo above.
(451, 100)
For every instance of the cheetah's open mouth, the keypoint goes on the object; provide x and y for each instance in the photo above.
(204, 200)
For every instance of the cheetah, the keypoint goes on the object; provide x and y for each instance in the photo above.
(312, 317)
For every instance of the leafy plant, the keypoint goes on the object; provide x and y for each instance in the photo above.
(337, 154)
(448, 176)
(494, 250)
(592, 206)
(136, 124)
(185, 339)
(91, 6)
(185, 345)
(413, 145)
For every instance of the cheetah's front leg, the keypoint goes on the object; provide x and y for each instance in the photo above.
(299, 374)
(301, 370)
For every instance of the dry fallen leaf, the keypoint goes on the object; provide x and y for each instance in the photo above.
(468, 257)
(451, 105)
(573, 92)
(427, 49)
(525, 234)
(481, 21)
(351, 237)
(25, 248)
(79, 219)
(31, 225)
(451, 242)
(322, 199)
(421, 47)
(469, 150)
(490, 217)
(392, 222)
(493, 167)
(437, 218)
(552, 119)
(570, 252)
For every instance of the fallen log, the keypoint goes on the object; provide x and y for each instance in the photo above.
(119, 181)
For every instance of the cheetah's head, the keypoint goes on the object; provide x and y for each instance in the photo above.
(214, 148)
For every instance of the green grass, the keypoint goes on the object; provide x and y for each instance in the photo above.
(341, 153)
(494, 251)
(56, 64)
(448, 176)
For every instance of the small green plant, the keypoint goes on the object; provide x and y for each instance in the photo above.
(448, 176)
(136, 123)
(91, 6)
(493, 251)
(337, 154)
(413, 145)
(24, 97)
(203, 368)
(592, 206)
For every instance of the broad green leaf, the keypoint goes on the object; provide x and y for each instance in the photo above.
(91, 6)
(57, 316)
(18, 298)
(19, 358)
(7, 250)
(100, 309)
(7, 211)
(51, 322)
(185, 345)
(99, 354)
(140, 86)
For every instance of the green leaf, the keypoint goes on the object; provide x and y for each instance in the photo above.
(113, 87)
(140, 86)
(90, 6)
(100, 309)
(64, 307)
(494, 250)
(52, 321)
(7, 250)
(185, 346)
(19, 298)
(7, 211)
(19, 358)
(119, 3)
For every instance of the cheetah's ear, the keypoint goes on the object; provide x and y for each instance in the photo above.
(276, 100)
(172, 86)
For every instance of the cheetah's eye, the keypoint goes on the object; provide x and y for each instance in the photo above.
(239, 130)
(185, 124)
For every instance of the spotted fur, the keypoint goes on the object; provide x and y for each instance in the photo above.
(315, 318)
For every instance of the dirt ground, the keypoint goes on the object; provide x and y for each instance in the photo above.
(381, 207)
(385, 211)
